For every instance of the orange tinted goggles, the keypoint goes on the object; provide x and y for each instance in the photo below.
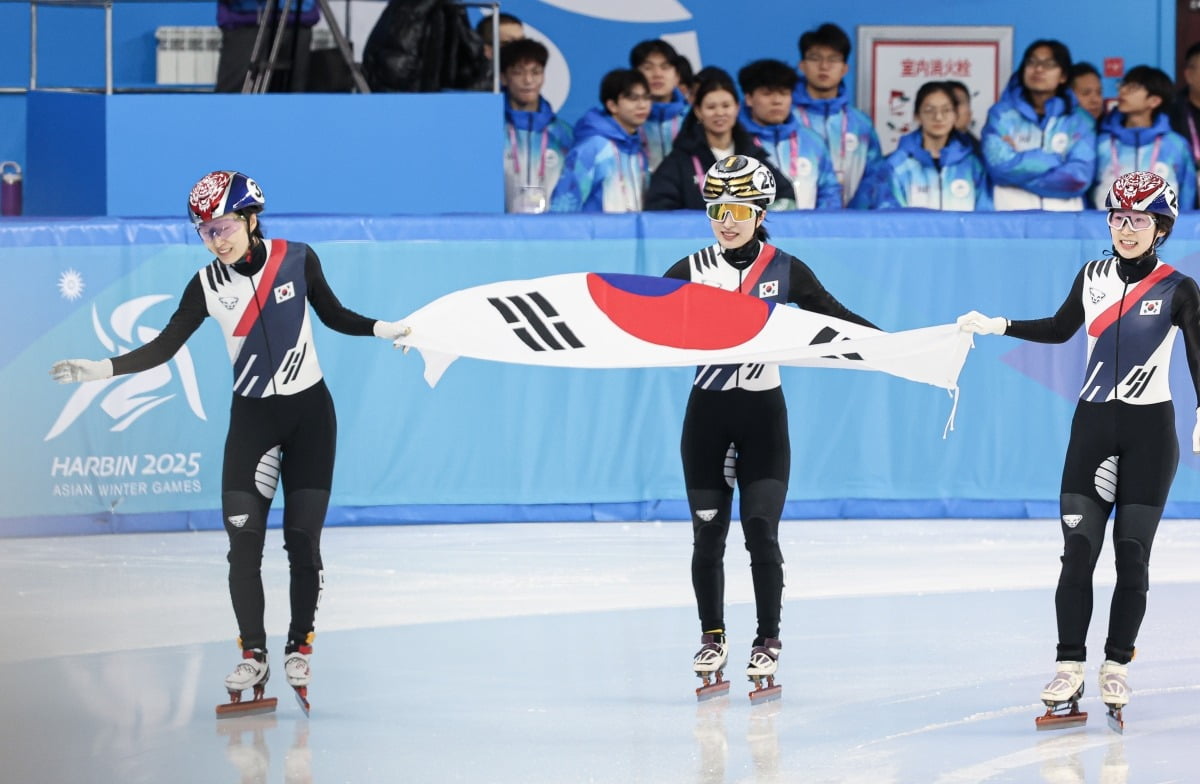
(740, 212)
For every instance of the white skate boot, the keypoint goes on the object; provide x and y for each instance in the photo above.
(1114, 691)
(764, 662)
(252, 672)
(1061, 698)
(295, 667)
(709, 665)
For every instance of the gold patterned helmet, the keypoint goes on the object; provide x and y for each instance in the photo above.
(739, 178)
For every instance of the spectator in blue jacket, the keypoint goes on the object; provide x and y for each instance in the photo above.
(823, 106)
(798, 152)
(1039, 145)
(605, 170)
(537, 140)
(934, 166)
(1137, 136)
(1084, 81)
(657, 60)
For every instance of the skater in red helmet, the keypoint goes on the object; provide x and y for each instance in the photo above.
(1123, 451)
(282, 423)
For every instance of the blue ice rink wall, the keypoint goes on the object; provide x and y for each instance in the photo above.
(500, 442)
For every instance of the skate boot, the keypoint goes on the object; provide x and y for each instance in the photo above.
(295, 667)
(764, 661)
(1114, 691)
(252, 672)
(1061, 697)
(709, 665)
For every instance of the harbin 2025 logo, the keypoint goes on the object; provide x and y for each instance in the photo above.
(125, 399)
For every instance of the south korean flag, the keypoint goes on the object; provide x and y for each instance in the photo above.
(285, 292)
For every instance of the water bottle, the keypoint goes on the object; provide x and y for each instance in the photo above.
(10, 188)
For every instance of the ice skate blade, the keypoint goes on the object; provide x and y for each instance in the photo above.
(712, 690)
(301, 693)
(1061, 721)
(766, 694)
(246, 707)
(1115, 722)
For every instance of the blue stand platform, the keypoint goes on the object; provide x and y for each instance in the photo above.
(137, 155)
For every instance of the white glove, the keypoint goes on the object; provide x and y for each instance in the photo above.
(1196, 435)
(74, 371)
(980, 324)
(391, 330)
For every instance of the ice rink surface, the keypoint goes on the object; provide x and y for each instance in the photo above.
(914, 651)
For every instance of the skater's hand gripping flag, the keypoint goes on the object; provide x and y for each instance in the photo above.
(75, 371)
(391, 330)
(979, 324)
(602, 320)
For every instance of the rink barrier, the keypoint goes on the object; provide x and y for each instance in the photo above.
(499, 443)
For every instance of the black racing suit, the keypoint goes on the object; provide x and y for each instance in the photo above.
(736, 416)
(1123, 451)
(281, 422)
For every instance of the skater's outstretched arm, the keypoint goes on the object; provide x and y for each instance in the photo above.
(187, 318)
(1057, 329)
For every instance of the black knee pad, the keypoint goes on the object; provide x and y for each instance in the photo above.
(303, 520)
(708, 542)
(245, 519)
(761, 542)
(1133, 569)
(302, 549)
(246, 549)
(1077, 560)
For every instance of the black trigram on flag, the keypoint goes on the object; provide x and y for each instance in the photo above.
(535, 321)
(828, 335)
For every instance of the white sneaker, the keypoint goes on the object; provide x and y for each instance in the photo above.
(1114, 684)
(764, 659)
(1066, 685)
(250, 671)
(712, 655)
(295, 666)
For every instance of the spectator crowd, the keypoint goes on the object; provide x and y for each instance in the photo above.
(1047, 143)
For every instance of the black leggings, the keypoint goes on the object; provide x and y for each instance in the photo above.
(1121, 456)
(292, 437)
(755, 424)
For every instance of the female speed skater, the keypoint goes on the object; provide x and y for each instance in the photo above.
(736, 415)
(282, 423)
(1123, 451)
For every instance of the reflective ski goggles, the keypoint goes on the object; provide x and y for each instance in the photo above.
(220, 228)
(1138, 221)
(740, 212)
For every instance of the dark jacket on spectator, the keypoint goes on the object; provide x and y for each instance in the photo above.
(676, 183)
(423, 46)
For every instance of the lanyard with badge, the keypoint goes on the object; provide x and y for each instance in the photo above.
(1116, 164)
(632, 200)
(532, 198)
